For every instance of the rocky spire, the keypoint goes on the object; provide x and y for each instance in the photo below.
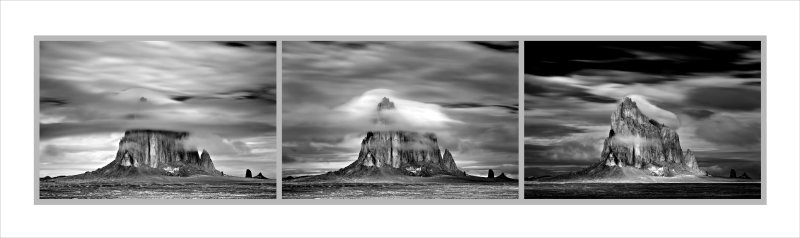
(642, 142)
(690, 162)
(385, 104)
(491, 174)
(503, 176)
(447, 161)
(260, 176)
(205, 160)
(248, 174)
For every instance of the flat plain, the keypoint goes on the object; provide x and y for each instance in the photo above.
(163, 187)
(733, 190)
(401, 187)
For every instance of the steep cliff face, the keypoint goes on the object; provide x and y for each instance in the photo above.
(148, 152)
(401, 153)
(636, 140)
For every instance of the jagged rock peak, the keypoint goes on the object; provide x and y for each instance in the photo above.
(248, 174)
(449, 163)
(491, 174)
(689, 160)
(260, 176)
(642, 142)
(503, 176)
(385, 104)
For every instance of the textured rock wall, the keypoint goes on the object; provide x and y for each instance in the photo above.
(160, 149)
(638, 141)
(406, 150)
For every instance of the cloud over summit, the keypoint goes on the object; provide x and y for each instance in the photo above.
(465, 92)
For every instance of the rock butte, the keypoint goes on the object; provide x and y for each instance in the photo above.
(636, 141)
(399, 152)
(156, 152)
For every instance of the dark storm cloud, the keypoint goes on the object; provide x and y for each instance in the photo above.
(729, 130)
(348, 44)
(663, 59)
(537, 87)
(698, 113)
(504, 46)
(571, 89)
(620, 77)
(566, 153)
(222, 93)
(551, 130)
(593, 98)
(742, 99)
(465, 92)
(285, 158)
(52, 101)
(511, 108)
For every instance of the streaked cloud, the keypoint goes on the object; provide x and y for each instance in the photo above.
(223, 93)
(709, 91)
(465, 92)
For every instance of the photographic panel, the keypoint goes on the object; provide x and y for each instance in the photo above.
(157, 120)
(643, 119)
(400, 120)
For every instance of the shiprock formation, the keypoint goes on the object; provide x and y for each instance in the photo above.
(638, 145)
(399, 152)
(156, 152)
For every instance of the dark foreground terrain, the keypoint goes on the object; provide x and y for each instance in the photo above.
(161, 187)
(405, 188)
(735, 190)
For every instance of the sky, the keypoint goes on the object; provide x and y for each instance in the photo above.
(222, 93)
(465, 92)
(713, 88)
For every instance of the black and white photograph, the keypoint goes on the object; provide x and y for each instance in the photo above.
(157, 120)
(643, 119)
(400, 120)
